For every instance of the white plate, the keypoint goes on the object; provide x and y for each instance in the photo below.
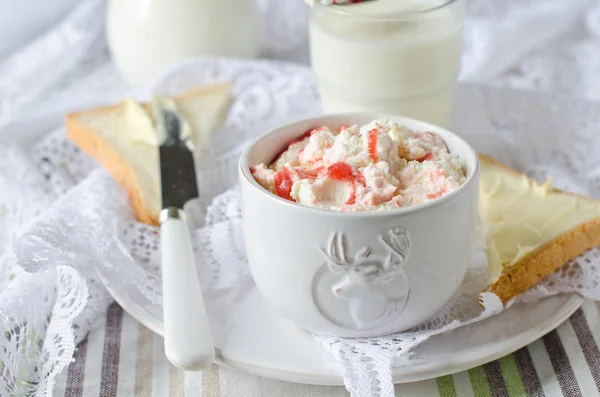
(252, 338)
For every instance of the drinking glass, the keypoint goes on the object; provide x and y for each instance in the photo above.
(388, 56)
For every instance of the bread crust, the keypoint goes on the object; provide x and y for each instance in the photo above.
(96, 147)
(546, 258)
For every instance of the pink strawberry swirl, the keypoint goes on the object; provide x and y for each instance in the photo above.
(378, 166)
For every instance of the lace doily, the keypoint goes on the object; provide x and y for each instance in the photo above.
(49, 302)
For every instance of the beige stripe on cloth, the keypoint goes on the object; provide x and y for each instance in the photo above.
(160, 368)
(93, 360)
(176, 382)
(129, 337)
(211, 382)
(143, 363)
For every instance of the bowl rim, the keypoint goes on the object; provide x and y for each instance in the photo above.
(245, 175)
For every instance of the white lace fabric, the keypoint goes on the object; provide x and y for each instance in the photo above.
(64, 222)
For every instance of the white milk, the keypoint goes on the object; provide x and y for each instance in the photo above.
(145, 36)
(385, 56)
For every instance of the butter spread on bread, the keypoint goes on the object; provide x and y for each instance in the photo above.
(530, 228)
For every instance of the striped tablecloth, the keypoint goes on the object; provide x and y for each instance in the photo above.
(121, 357)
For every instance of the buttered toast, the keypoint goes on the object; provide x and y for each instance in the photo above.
(530, 228)
(123, 140)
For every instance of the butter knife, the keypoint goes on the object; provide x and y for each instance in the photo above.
(188, 339)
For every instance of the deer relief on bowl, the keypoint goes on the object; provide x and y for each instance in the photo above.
(363, 290)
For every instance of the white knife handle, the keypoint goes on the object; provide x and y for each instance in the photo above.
(188, 339)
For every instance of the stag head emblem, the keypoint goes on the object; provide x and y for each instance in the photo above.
(374, 288)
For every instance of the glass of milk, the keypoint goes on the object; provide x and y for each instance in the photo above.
(398, 57)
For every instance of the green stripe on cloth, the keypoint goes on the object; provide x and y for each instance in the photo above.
(445, 386)
(514, 384)
(479, 382)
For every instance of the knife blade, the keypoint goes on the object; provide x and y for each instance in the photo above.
(177, 171)
(188, 338)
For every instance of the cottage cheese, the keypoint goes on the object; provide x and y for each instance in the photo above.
(377, 166)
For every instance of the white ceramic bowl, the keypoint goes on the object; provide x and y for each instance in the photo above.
(291, 247)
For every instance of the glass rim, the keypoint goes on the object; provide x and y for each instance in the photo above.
(340, 10)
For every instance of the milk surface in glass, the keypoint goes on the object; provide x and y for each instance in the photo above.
(389, 56)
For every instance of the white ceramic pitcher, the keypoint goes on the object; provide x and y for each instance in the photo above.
(145, 36)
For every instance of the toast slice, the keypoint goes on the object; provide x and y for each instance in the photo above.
(530, 228)
(122, 138)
